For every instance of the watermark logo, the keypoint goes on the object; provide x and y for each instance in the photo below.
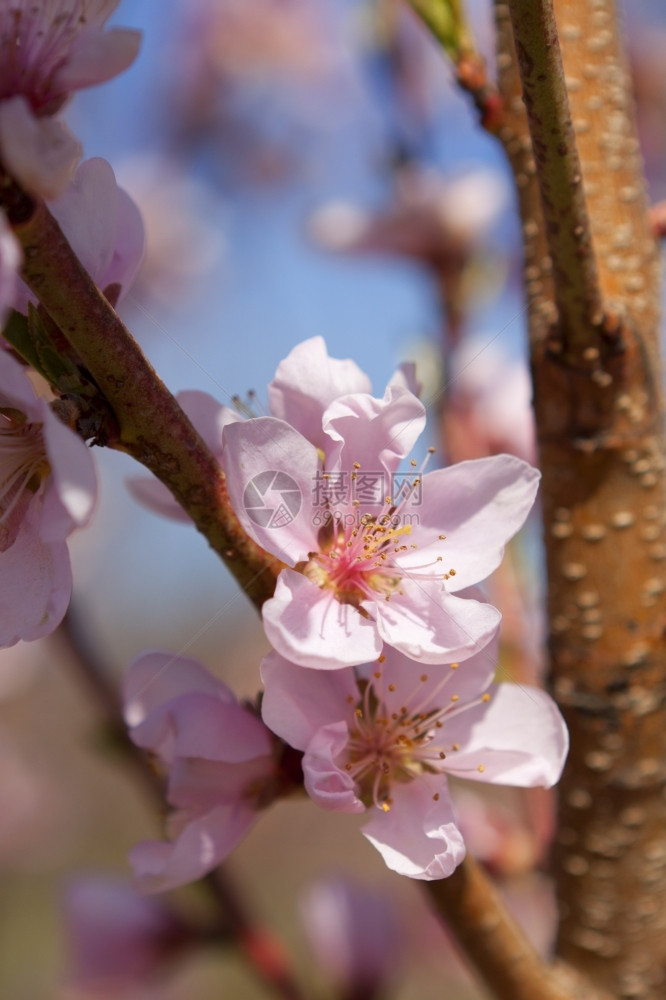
(272, 499)
(367, 489)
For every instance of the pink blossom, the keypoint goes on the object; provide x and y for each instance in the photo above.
(104, 227)
(366, 573)
(48, 50)
(220, 763)
(356, 933)
(433, 219)
(117, 938)
(305, 383)
(384, 737)
(47, 489)
(488, 406)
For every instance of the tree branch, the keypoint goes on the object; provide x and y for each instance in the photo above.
(446, 21)
(152, 426)
(259, 946)
(600, 430)
(496, 946)
(558, 172)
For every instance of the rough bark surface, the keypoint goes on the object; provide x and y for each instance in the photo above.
(599, 416)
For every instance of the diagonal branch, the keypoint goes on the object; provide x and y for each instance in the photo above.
(152, 426)
(496, 946)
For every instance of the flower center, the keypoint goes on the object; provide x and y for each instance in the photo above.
(359, 553)
(357, 561)
(23, 467)
(397, 736)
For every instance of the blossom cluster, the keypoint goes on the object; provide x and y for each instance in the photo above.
(384, 649)
(379, 684)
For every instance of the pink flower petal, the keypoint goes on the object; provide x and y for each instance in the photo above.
(430, 625)
(35, 584)
(10, 262)
(308, 625)
(307, 381)
(129, 248)
(197, 785)
(418, 837)
(155, 678)
(41, 153)
(467, 680)
(375, 433)
(518, 738)
(271, 473)
(201, 846)
(71, 489)
(100, 57)
(154, 495)
(405, 376)
(479, 505)
(298, 701)
(206, 727)
(330, 786)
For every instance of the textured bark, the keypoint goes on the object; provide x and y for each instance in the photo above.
(496, 946)
(599, 416)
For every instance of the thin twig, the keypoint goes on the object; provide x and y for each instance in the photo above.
(259, 946)
(445, 20)
(567, 226)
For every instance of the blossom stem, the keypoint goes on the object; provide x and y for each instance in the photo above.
(259, 946)
(152, 426)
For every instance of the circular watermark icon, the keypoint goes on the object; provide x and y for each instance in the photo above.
(272, 499)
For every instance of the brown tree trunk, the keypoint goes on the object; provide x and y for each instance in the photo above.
(599, 416)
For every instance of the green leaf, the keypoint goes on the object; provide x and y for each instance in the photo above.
(446, 20)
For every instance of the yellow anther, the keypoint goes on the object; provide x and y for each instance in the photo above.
(455, 697)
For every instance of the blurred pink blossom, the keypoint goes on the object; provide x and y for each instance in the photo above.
(357, 934)
(117, 939)
(183, 236)
(48, 50)
(104, 227)
(220, 762)
(47, 489)
(383, 738)
(439, 222)
(488, 404)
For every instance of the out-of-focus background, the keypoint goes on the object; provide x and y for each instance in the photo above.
(304, 167)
